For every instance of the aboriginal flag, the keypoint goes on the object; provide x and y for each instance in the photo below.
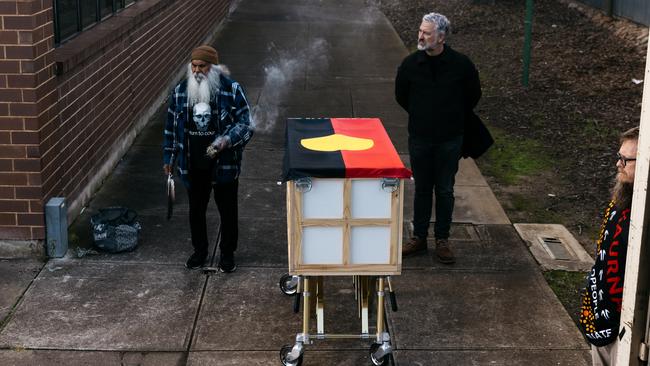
(340, 148)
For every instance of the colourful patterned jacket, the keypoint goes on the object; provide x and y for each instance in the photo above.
(601, 299)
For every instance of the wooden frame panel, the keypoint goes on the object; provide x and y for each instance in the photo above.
(296, 223)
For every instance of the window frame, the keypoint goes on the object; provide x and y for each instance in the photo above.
(116, 7)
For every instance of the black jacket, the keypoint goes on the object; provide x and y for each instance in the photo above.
(477, 138)
(437, 98)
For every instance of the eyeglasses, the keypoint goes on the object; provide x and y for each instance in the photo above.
(623, 159)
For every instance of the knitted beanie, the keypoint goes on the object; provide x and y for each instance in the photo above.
(205, 53)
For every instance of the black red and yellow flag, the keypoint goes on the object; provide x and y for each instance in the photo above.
(340, 148)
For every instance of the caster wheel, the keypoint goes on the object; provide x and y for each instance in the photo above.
(287, 285)
(283, 357)
(377, 362)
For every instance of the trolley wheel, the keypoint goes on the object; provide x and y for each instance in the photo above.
(286, 285)
(284, 351)
(378, 362)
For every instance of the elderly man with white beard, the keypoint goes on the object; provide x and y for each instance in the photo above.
(208, 125)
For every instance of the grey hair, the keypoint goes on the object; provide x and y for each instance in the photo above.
(442, 23)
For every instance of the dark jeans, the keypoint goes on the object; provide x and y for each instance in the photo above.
(434, 167)
(225, 196)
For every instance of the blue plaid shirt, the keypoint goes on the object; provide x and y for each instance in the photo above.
(233, 116)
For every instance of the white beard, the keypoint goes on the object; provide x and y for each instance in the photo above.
(200, 88)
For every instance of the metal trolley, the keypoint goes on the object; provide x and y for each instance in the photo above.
(344, 218)
(310, 290)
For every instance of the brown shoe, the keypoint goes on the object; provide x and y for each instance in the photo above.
(444, 254)
(413, 246)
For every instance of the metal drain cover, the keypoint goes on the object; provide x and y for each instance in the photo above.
(555, 248)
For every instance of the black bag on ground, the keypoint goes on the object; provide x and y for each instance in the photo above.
(115, 229)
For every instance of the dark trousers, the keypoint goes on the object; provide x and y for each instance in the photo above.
(434, 168)
(225, 196)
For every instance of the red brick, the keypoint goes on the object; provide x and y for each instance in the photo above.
(11, 95)
(6, 165)
(4, 109)
(28, 67)
(10, 67)
(29, 7)
(21, 81)
(42, 18)
(43, 75)
(5, 138)
(30, 193)
(12, 152)
(15, 179)
(31, 219)
(8, 37)
(7, 192)
(34, 179)
(32, 152)
(37, 35)
(25, 138)
(15, 232)
(43, 47)
(39, 63)
(48, 129)
(19, 52)
(25, 37)
(11, 124)
(8, 7)
(48, 101)
(19, 22)
(7, 219)
(38, 232)
(23, 109)
(28, 96)
(36, 206)
(14, 206)
(27, 165)
(46, 88)
(47, 143)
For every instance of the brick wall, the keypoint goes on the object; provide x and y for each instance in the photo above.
(68, 113)
(27, 110)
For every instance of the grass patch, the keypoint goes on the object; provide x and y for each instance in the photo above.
(567, 287)
(592, 127)
(530, 209)
(510, 158)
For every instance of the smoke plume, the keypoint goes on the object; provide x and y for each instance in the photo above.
(279, 76)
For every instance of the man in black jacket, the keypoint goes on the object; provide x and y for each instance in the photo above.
(438, 87)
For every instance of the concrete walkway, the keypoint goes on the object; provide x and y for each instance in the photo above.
(298, 59)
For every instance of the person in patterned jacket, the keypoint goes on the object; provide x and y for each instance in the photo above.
(601, 299)
(208, 124)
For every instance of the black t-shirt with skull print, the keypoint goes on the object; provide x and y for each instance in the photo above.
(201, 134)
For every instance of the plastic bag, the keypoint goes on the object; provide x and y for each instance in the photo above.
(115, 229)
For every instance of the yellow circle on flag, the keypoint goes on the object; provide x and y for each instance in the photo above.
(337, 142)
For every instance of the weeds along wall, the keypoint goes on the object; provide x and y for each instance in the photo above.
(68, 112)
